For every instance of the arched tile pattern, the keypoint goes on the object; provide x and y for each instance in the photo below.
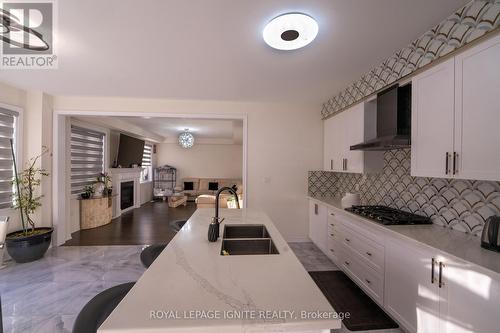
(465, 25)
(460, 204)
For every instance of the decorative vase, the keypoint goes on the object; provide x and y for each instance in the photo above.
(351, 199)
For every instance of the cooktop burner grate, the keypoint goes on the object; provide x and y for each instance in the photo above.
(388, 216)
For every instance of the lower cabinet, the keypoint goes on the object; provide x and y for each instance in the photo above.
(318, 224)
(411, 290)
(423, 289)
(428, 291)
(470, 298)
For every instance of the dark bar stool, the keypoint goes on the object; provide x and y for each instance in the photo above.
(149, 254)
(95, 312)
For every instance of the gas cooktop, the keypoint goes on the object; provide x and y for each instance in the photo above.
(388, 216)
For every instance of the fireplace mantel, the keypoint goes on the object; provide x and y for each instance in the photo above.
(121, 175)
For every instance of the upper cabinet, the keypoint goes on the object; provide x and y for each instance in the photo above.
(455, 116)
(350, 127)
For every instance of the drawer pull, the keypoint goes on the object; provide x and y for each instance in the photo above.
(331, 214)
(332, 235)
(347, 240)
(332, 250)
(368, 281)
(331, 224)
(369, 254)
(347, 263)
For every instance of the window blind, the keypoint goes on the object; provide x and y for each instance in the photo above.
(87, 157)
(7, 132)
(147, 155)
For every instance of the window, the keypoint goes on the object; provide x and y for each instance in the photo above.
(87, 157)
(8, 122)
(147, 165)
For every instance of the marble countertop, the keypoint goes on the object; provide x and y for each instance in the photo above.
(191, 275)
(452, 242)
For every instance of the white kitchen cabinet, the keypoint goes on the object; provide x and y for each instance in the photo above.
(477, 111)
(455, 116)
(352, 126)
(411, 293)
(334, 142)
(470, 298)
(334, 237)
(433, 121)
(318, 224)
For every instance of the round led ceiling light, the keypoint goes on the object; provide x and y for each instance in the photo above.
(290, 31)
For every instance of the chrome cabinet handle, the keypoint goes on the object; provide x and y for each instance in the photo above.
(346, 164)
(447, 167)
(331, 164)
(440, 281)
(433, 262)
(315, 209)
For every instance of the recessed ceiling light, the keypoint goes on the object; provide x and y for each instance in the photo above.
(290, 31)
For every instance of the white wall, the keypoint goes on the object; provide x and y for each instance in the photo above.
(284, 142)
(202, 160)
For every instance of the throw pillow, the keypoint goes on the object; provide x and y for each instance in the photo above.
(213, 186)
(188, 186)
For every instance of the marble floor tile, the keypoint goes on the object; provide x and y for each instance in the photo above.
(45, 296)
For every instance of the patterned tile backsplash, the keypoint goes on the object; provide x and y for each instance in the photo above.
(459, 204)
(470, 22)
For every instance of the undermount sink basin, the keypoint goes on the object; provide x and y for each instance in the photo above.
(247, 239)
(245, 231)
(248, 246)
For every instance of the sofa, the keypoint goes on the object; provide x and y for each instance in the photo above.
(194, 187)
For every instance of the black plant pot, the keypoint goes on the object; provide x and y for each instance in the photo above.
(28, 248)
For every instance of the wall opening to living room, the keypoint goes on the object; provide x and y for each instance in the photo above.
(136, 199)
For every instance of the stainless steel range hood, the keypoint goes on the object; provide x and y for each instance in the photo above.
(393, 120)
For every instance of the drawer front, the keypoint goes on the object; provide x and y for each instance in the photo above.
(335, 251)
(371, 252)
(366, 278)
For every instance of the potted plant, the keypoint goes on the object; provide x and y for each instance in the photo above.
(30, 243)
(88, 191)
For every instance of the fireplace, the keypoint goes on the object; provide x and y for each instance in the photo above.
(126, 195)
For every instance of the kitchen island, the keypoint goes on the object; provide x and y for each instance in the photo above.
(191, 287)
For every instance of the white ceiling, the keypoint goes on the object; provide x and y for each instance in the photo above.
(199, 49)
(205, 131)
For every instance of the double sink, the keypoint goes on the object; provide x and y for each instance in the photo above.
(246, 239)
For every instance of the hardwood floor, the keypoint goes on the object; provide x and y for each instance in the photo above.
(149, 224)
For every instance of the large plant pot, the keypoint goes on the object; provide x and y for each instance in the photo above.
(28, 248)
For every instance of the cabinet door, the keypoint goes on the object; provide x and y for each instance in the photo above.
(318, 224)
(470, 299)
(433, 121)
(410, 296)
(334, 142)
(477, 109)
(355, 127)
(313, 221)
(328, 143)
